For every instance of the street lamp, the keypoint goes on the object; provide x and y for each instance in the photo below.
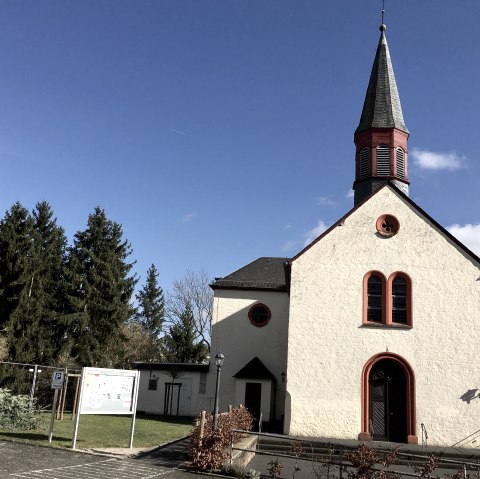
(219, 358)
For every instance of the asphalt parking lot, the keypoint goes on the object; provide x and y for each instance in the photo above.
(33, 462)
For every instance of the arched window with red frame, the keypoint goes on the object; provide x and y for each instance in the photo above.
(387, 302)
(399, 293)
(374, 287)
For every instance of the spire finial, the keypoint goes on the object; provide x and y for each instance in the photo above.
(383, 27)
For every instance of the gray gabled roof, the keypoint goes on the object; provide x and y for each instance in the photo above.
(263, 273)
(382, 107)
(255, 369)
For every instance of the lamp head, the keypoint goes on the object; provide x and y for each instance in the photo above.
(219, 358)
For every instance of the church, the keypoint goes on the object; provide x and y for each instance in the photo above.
(371, 331)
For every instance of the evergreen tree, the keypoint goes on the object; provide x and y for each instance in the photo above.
(16, 278)
(100, 291)
(151, 304)
(179, 343)
(32, 254)
(48, 287)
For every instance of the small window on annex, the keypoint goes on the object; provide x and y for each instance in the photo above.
(202, 385)
(259, 315)
(152, 384)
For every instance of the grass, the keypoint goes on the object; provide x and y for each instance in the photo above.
(98, 431)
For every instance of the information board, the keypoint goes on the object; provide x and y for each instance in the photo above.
(107, 391)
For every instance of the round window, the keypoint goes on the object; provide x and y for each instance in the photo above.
(387, 225)
(259, 315)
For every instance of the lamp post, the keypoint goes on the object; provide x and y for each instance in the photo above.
(219, 358)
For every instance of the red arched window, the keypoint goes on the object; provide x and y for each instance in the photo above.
(387, 302)
(374, 287)
(399, 294)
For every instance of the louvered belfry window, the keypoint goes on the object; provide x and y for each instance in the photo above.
(383, 160)
(364, 163)
(400, 163)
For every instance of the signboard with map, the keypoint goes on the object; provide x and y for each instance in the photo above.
(108, 391)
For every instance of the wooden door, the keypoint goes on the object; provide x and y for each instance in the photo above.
(253, 400)
(388, 402)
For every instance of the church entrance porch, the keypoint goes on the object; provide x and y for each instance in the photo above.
(388, 400)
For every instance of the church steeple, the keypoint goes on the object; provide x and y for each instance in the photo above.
(381, 138)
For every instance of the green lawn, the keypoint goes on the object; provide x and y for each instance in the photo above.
(105, 431)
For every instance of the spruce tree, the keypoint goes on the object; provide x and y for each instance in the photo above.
(48, 287)
(17, 321)
(32, 255)
(179, 343)
(100, 291)
(151, 304)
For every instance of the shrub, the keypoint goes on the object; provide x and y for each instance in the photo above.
(240, 471)
(364, 459)
(17, 411)
(275, 468)
(235, 470)
(207, 452)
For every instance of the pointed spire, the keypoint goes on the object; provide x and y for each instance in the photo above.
(382, 107)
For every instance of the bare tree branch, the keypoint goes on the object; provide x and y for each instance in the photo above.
(193, 291)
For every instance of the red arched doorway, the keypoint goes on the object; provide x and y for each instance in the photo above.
(388, 400)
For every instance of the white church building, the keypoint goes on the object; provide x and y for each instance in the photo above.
(372, 330)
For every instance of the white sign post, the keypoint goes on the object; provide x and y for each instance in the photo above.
(57, 384)
(107, 391)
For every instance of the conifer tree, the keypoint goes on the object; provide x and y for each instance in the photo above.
(179, 343)
(151, 304)
(16, 275)
(32, 263)
(100, 291)
(48, 285)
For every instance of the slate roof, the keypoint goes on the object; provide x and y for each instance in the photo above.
(255, 369)
(382, 108)
(263, 273)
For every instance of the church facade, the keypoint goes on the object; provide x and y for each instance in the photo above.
(370, 332)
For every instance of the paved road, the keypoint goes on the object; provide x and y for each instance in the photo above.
(32, 462)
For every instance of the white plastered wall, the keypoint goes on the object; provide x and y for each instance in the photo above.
(240, 341)
(192, 403)
(328, 346)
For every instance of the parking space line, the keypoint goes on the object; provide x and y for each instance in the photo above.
(109, 469)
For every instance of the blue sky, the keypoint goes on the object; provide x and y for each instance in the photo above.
(219, 131)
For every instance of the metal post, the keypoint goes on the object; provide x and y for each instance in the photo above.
(52, 419)
(215, 408)
(340, 468)
(34, 382)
